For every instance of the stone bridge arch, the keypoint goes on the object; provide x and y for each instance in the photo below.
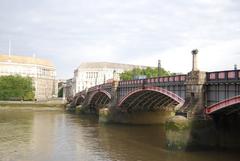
(150, 99)
(228, 106)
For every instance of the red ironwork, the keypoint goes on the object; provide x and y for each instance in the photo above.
(223, 104)
(221, 75)
(183, 78)
(156, 89)
(99, 91)
(231, 74)
(212, 76)
(78, 97)
(176, 78)
(166, 79)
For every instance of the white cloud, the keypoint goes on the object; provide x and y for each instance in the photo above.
(136, 31)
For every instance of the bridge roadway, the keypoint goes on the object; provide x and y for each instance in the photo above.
(218, 93)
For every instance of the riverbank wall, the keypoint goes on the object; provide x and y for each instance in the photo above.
(32, 104)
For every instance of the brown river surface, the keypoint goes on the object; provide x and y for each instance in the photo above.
(53, 135)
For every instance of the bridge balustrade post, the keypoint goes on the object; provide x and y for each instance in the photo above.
(144, 83)
(114, 93)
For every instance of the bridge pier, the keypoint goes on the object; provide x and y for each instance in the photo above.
(195, 91)
(189, 126)
(184, 134)
(194, 105)
(107, 113)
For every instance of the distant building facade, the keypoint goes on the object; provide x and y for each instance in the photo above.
(41, 71)
(94, 73)
(61, 84)
(68, 90)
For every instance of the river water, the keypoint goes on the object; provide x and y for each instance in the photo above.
(53, 135)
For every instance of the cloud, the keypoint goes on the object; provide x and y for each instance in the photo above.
(136, 31)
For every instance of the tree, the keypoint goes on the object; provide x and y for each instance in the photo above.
(148, 72)
(16, 88)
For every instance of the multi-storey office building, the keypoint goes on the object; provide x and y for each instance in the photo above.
(93, 73)
(41, 71)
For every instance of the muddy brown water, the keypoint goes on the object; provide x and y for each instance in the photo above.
(54, 135)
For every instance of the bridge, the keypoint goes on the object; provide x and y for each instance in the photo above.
(197, 108)
(196, 93)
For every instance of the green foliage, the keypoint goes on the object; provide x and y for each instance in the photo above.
(149, 72)
(16, 88)
(29, 96)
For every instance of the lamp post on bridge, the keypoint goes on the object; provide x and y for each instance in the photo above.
(235, 66)
(159, 67)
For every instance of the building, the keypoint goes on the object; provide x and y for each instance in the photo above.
(61, 84)
(66, 87)
(93, 73)
(41, 71)
(68, 90)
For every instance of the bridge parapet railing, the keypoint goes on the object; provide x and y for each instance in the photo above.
(131, 83)
(166, 80)
(105, 86)
(223, 76)
(153, 81)
(80, 93)
(94, 88)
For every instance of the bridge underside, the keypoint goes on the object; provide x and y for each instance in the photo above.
(225, 107)
(148, 101)
(228, 111)
(99, 100)
(227, 122)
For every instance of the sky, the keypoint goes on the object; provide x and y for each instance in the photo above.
(139, 32)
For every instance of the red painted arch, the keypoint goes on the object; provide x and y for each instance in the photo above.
(223, 104)
(77, 97)
(156, 89)
(81, 95)
(99, 91)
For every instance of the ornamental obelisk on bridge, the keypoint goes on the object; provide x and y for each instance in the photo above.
(194, 60)
(195, 80)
